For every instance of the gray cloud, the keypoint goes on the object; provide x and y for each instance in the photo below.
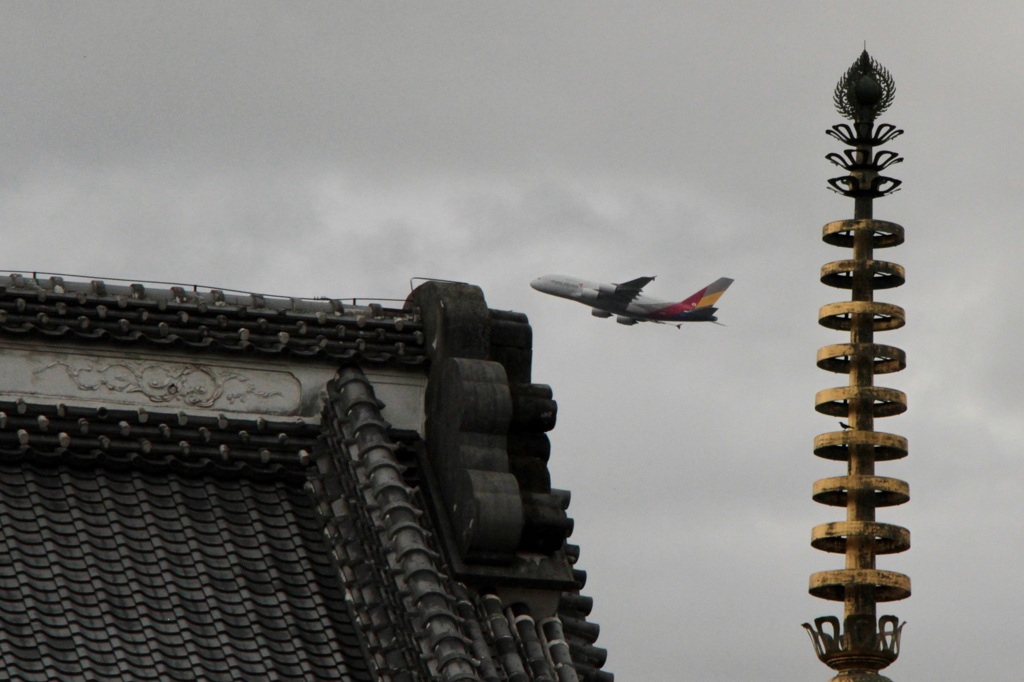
(341, 148)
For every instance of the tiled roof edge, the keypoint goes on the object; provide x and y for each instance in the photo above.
(353, 416)
(180, 293)
(154, 441)
(93, 312)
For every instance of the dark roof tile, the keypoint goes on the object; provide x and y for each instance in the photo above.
(177, 607)
(203, 321)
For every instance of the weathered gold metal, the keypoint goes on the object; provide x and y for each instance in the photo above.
(885, 316)
(862, 644)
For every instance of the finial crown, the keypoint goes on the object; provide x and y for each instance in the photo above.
(865, 90)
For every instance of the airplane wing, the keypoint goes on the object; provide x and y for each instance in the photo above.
(627, 291)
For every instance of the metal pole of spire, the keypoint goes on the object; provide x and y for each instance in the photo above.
(862, 644)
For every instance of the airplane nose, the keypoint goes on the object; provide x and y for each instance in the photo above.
(536, 284)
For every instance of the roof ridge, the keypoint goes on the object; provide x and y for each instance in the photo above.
(180, 292)
(159, 440)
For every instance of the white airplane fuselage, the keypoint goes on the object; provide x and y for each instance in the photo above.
(629, 306)
(590, 293)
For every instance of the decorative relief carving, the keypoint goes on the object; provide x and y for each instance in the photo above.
(46, 373)
(190, 385)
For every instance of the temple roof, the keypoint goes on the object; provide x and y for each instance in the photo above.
(153, 534)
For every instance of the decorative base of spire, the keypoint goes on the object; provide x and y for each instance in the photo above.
(860, 677)
(860, 652)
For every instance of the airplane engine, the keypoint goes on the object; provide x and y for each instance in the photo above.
(599, 313)
(625, 320)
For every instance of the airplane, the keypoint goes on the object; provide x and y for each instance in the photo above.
(629, 306)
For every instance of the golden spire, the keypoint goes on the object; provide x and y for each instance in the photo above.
(862, 644)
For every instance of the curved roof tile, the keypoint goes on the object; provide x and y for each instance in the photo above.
(94, 312)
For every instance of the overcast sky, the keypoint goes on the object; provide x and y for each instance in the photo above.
(340, 149)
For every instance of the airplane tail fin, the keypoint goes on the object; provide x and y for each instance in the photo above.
(699, 307)
(707, 296)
